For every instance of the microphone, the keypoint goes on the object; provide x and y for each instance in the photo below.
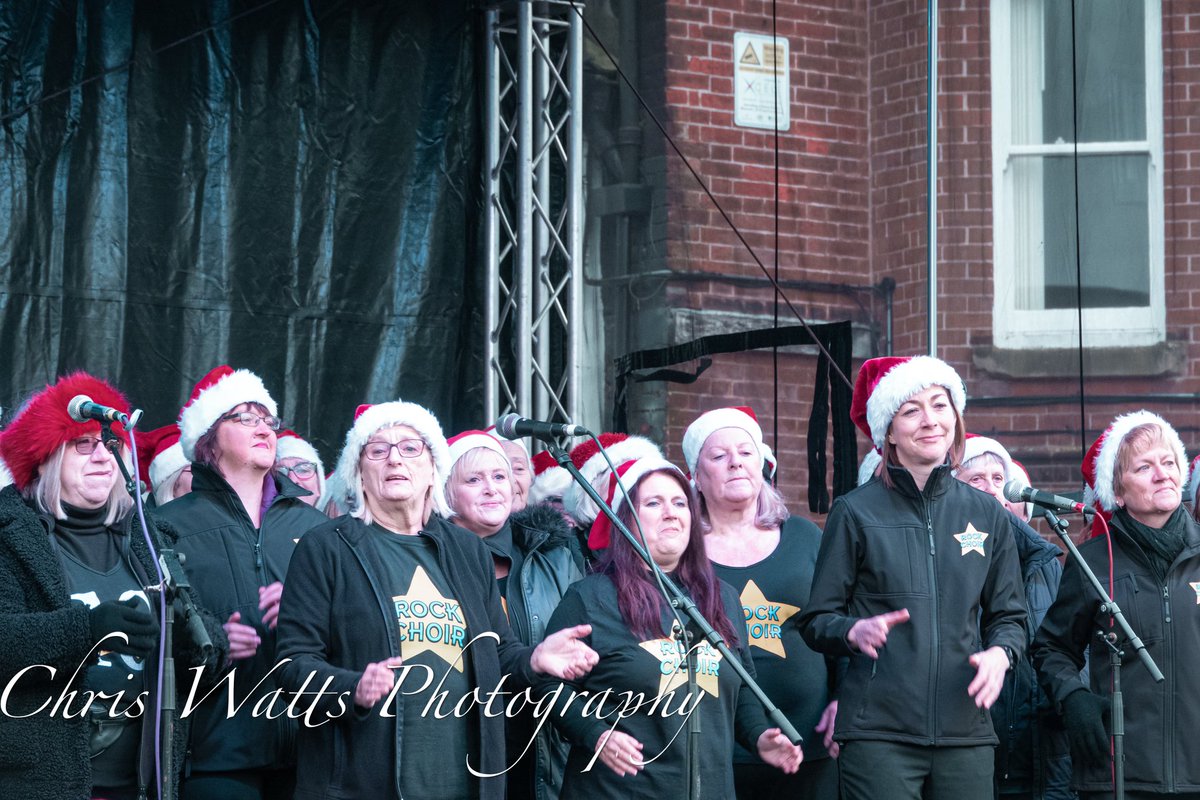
(1017, 492)
(81, 409)
(514, 426)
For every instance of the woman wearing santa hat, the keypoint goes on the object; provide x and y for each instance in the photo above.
(394, 593)
(767, 556)
(237, 530)
(643, 750)
(164, 469)
(74, 610)
(917, 582)
(1150, 565)
(535, 561)
(300, 462)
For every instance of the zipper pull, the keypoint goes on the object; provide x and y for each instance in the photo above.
(1166, 603)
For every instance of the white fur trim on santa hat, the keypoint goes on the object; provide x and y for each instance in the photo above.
(292, 446)
(463, 444)
(1194, 480)
(5, 476)
(239, 386)
(166, 464)
(709, 423)
(595, 470)
(870, 463)
(553, 482)
(386, 415)
(903, 381)
(979, 445)
(1106, 459)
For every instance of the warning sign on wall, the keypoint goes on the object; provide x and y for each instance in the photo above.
(760, 82)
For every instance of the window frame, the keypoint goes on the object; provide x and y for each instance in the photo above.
(1014, 328)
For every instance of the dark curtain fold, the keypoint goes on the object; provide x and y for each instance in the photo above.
(289, 187)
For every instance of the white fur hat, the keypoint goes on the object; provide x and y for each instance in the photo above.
(290, 444)
(369, 419)
(1106, 458)
(870, 463)
(220, 390)
(708, 423)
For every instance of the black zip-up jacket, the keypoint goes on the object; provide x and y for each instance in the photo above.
(227, 559)
(44, 755)
(1161, 720)
(544, 565)
(335, 619)
(888, 549)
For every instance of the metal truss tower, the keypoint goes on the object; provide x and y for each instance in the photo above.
(534, 231)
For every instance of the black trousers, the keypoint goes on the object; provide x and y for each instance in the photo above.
(874, 770)
(815, 780)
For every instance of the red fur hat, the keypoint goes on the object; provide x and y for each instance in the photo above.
(44, 424)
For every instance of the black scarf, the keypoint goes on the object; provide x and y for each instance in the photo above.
(1160, 546)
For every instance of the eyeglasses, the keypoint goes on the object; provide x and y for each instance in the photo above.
(86, 445)
(251, 420)
(302, 469)
(407, 448)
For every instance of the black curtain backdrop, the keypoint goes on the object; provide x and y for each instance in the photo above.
(294, 188)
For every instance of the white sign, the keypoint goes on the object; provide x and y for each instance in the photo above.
(760, 72)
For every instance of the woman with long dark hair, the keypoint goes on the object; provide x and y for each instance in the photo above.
(644, 746)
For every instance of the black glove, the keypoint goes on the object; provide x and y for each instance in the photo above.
(130, 618)
(1083, 715)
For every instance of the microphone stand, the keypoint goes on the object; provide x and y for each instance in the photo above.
(172, 586)
(1115, 654)
(681, 602)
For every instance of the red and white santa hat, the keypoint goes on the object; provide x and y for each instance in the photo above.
(462, 443)
(630, 472)
(590, 462)
(370, 418)
(160, 455)
(43, 424)
(1102, 456)
(220, 390)
(708, 423)
(1193, 486)
(290, 444)
(884, 384)
(549, 479)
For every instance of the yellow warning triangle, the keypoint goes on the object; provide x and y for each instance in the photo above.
(749, 56)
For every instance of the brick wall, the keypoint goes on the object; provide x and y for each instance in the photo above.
(852, 208)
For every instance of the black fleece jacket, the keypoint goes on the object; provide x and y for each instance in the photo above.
(1161, 754)
(947, 555)
(44, 755)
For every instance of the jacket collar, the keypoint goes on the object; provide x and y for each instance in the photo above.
(938, 483)
(207, 479)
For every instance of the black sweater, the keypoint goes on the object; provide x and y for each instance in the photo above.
(627, 664)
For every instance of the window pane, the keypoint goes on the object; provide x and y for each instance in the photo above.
(1115, 258)
(1110, 73)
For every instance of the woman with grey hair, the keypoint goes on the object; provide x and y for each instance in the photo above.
(396, 614)
(768, 558)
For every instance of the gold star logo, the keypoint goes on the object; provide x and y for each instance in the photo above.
(764, 619)
(1196, 588)
(429, 621)
(971, 540)
(673, 665)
